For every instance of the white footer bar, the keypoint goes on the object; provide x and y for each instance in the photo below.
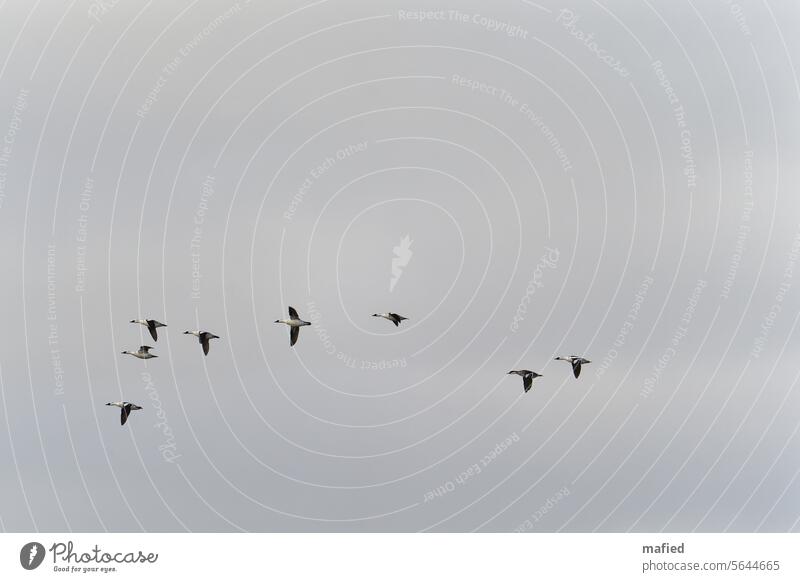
(389, 557)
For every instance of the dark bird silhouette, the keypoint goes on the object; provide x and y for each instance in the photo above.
(126, 408)
(204, 337)
(527, 377)
(393, 317)
(295, 323)
(151, 325)
(576, 362)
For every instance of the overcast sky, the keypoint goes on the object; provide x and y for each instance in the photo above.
(521, 180)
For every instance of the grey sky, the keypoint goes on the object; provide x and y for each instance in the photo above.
(603, 179)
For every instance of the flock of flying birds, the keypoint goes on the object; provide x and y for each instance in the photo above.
(295, 323)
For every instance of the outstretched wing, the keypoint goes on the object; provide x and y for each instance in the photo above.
(576, 367)
(293, 313)
(205, 342)
(527, 382)
(145, 349)
(126, 410)
(396, 319)
(294, 333)
(151, 325)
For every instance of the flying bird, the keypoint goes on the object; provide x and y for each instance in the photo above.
(527, 378)
(204, 337)
(295, 323)
(393, 317)
(151, 325)
(126, 408)
(143, 353)
(576, 362)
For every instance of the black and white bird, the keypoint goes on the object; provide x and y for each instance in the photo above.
(576, 362)
(527, 377)
(204, 337)
(143, 353)
(295, 323)
(393, 317)
(126, 409)
(151, 325)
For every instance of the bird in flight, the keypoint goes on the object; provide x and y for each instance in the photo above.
(204, 337)
(527, 377)
(151, 325)
(295, 323)
(126, 408)
(143, 353)
(576, 362)
(393, 317)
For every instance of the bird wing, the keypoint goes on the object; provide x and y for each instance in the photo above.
(576, 367)
(151, 325)
(294, 333)
(527, 382)
(126, 410)
(204, 341)
(144, 349)
(293, 313)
